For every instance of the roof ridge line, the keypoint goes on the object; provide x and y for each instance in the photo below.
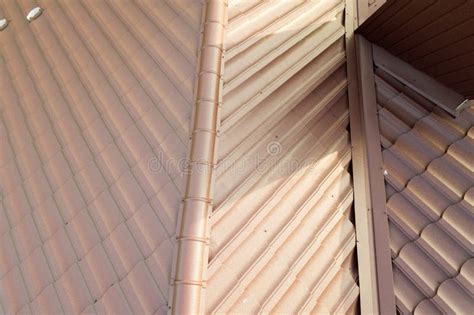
(190, 259)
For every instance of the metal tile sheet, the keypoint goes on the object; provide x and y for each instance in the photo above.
(94, 118)
(281, 235)
(429, 178)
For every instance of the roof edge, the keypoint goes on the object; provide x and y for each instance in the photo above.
(428, 87)
(373, 250)
(376, 197)
(192, 237)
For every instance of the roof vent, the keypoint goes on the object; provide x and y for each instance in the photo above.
(34, 14)
(3, 24)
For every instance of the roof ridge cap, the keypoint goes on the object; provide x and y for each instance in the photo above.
(187, 283)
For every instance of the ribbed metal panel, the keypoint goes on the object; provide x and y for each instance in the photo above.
(282, 240)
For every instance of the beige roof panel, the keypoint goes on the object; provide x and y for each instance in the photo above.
(95, 109)
(281, 235)
(102, 102)
(429, 180)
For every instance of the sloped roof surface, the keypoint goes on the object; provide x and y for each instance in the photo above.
(95, 107)
(428, 157)
(94, 124)
(281, 237)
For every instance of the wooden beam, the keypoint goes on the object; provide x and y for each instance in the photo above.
(373, 250)
(436, 92)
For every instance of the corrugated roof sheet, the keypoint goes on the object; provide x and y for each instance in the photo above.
(95, 108)
(281, 235)
(428, 159)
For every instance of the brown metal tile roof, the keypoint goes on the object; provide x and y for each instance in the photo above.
(96, 104)
(429, 178)
(281, 236)
(95, 107)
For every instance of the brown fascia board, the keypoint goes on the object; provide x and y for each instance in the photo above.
(373, 250)
(192, 236)
(436, 92)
